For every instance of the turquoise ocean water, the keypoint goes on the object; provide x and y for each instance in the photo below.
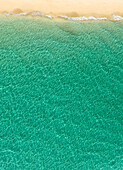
(60, 94)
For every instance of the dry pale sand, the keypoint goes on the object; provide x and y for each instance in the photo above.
(98, 8)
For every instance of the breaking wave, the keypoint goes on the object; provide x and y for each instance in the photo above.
(82, 18)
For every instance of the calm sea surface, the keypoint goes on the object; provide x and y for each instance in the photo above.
(60, 94)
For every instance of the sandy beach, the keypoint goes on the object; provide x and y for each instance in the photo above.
(72, 8)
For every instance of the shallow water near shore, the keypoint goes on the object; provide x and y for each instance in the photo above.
(60, 94)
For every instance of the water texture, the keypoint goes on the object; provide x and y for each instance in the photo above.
(60, 94)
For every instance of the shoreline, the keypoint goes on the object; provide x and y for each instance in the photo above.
(68, 14)
(91, 17)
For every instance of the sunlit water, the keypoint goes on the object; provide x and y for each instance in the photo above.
(60, 94)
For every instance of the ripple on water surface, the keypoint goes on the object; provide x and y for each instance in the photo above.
(60, 94)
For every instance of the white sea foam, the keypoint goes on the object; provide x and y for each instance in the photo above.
(11, 13)
(82, 18)
(38, 13)
(21, 14)
(33, 13)
(7, 14)
(116, 18)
